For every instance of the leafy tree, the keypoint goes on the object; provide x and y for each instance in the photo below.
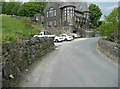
(10, 8)
(99, 23)
(95, 14)
(119, 23)
(15, 9)
(3, 7)
(109, 27)
(31, 8)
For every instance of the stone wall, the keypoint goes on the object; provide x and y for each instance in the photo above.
(67, 30)
(110, 49)
(18, 56)
(89, 34)
(56, 30)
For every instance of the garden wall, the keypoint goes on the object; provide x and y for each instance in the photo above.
(18, 56)
(110, 49)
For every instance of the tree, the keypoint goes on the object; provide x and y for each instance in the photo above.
(14, 10)
(10, 8)
(99, 23)
(95, 14)
(3, 7)
(119, 23)
(30, 8)
(109, 27)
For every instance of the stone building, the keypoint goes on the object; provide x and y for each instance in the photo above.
(66, 17)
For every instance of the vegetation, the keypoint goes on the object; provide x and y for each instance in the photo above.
(23, 9)
(95, 15)
(10, 8)
(14, 29)
(110, 27)
(31, 8)
(119, 24)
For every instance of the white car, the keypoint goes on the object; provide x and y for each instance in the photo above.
(58, 39)
(44, 34)
(67, 37)
(74, 35)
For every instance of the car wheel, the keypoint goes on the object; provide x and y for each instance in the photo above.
(57, 40)
(66, 39)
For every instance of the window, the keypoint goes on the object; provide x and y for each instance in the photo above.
(65, 14)
(51, 12)
(67, 8)
(55, 22)
(65, 18)
(73, 13)
(54, 12)
(68, 11)
(50, 23)
(65, 11)
(47, 14)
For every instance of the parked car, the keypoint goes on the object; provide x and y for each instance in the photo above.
(58, 39)
(66, 37)
(44, 34)
(74, 35)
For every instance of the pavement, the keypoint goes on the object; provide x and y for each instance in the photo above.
(74, 63)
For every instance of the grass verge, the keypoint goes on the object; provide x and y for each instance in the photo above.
(16, 29)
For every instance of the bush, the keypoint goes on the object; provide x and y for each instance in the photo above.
(10, 38)
(118, 42)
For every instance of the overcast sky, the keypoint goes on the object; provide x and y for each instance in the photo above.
(106, 7)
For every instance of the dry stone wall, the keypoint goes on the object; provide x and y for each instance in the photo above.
(18, 56)
(110, 49)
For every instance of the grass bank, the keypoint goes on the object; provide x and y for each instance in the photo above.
(16, 29)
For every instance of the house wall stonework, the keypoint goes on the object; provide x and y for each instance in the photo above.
(68, 18)
(56, 18)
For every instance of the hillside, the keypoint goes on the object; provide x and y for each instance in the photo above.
(15, 29)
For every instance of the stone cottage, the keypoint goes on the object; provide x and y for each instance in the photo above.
(66, 17)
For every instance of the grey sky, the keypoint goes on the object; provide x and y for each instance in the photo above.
(106, 7)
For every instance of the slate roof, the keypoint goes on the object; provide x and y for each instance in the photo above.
(80, 6)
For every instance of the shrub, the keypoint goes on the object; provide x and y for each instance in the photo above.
(10, 38)
(118, 42)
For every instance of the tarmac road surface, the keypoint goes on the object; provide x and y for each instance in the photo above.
(73, 64)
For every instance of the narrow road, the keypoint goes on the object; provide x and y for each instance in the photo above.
(73, 64)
